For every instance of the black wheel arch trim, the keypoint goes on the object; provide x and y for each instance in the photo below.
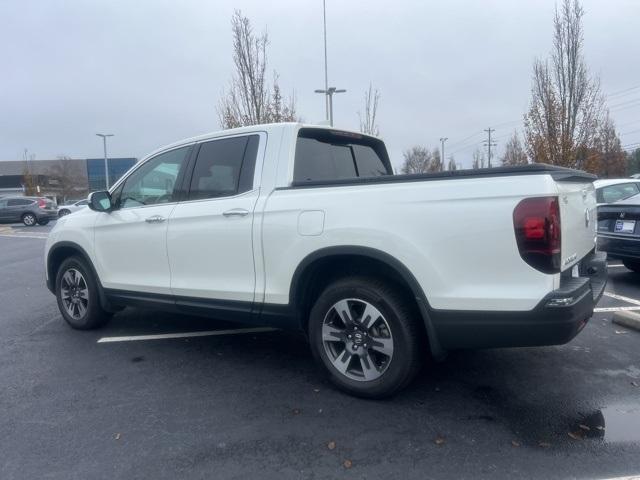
(400, 268)
(51, 275)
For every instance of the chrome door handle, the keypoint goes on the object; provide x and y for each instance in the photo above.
(236, 212)
(155, 219)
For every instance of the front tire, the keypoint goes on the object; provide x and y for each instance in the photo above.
(77, 296)
(29, 219)
(366, 336)
(63, 212)
(632, 265)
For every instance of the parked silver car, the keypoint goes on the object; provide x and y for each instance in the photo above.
(28, 210)
(71, 207)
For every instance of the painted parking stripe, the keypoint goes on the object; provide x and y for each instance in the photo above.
(621, 298)
(208, 333)
(616, 309)
(23, 236)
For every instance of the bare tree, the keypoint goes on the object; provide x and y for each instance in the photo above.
(250, 100)
(29, 182)
(66, 176)
(566, 101)
(514, 153)
(368, 119)
(607, 159)
(451, 165)
(421, 160)
(478, 159)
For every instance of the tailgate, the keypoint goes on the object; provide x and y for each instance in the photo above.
(578, 219)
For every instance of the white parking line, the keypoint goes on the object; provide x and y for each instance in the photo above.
(615, 309)
(207, 333)
(23, 236)
(621, 298)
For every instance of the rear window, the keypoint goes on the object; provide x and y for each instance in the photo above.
(330, 155)
(614, 193)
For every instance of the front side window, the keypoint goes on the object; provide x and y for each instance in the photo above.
(332, 155)
(155, 181)
(224, 168)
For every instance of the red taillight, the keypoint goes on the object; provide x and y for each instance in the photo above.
(537, 225)
(42, 203)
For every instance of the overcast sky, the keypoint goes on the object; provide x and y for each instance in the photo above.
(151, 72)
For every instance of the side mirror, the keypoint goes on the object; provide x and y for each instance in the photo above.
(100, 201)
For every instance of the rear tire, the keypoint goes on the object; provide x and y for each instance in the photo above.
(29, 219)
(77, 295)
(632, 265)
(366, 336)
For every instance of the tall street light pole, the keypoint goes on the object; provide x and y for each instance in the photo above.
(106, 162)
(442, 140)
(329, 93)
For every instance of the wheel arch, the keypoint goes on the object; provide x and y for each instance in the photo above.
(58, 253)
(322, 266)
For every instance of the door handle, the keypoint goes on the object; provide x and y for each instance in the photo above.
(236, 212)
(155, 219)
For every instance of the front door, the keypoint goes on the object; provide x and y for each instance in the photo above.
(131, 240)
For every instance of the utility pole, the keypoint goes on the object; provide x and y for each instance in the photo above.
(442, 140)
(328, 91)
(106, 162)
(489, 144)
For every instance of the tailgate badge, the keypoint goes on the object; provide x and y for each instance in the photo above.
(621, 214)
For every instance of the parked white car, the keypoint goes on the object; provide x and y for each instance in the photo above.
(72, 207)
(305, 227)
(611, 190)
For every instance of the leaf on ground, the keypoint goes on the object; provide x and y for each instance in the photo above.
(439, 441)
(117, 437)
(296, 411)
(316, 390)
(575, 435)
(635, 384)
(347, 463)
(620, 332)
(514, 443)
(584, 427)
(544, 444)
(331, 445)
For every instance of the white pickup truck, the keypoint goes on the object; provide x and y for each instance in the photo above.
(306, 227)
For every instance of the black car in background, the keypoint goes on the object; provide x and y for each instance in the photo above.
(28, 210)
(619, 231)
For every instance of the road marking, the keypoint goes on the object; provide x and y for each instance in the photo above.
(207, 333)
(23, 236)
(616, 266)
(615, 309)
(623, 299)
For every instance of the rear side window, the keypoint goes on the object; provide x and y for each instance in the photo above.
(331, 155)
(224, 167)
(19, 202)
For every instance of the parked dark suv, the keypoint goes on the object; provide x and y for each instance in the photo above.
(28, 210)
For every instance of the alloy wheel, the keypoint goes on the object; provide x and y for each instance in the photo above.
(357, 339)
(74, 293)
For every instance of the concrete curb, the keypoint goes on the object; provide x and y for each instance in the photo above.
(627, 319)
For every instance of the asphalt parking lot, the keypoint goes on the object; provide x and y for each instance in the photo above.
(252, 405)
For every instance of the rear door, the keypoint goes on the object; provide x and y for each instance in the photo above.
(209, 238)
(578, 217)
(17, 206)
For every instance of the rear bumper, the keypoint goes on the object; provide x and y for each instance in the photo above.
(557, 319)
(619, 247)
